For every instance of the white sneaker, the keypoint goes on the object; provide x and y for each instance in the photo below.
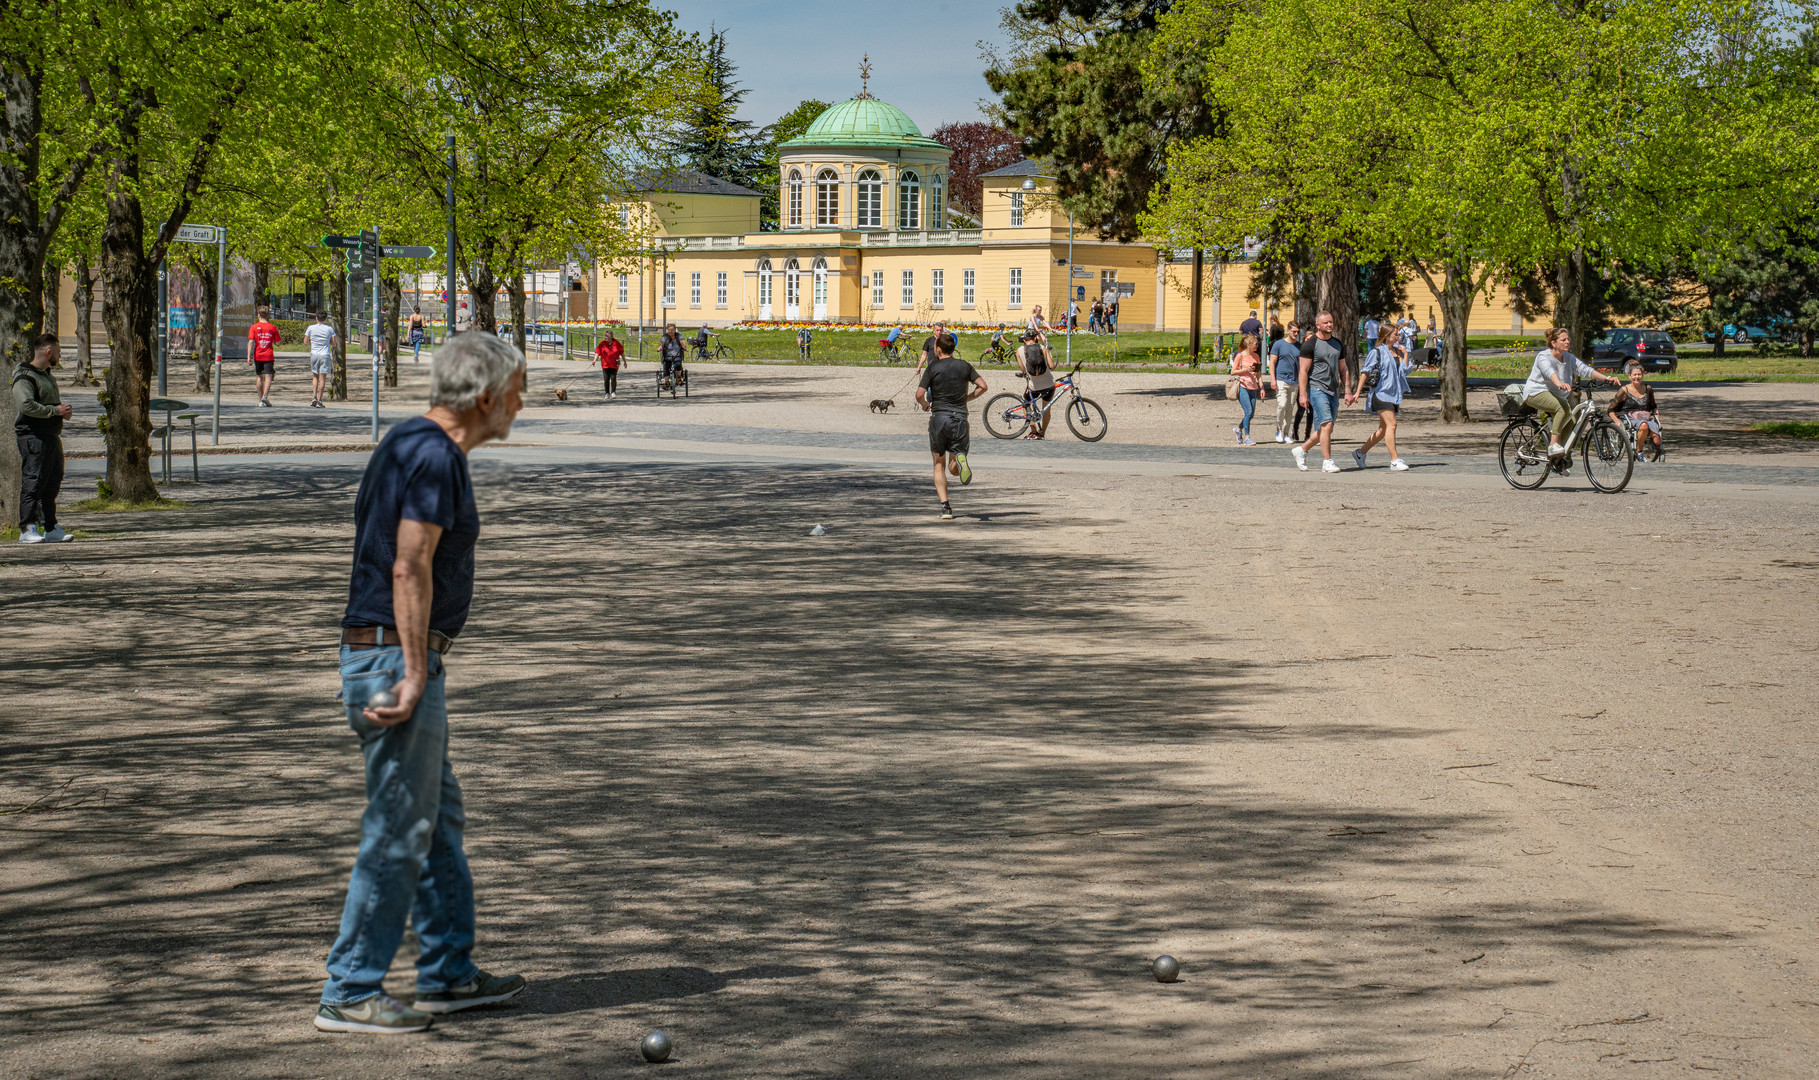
(1398, 465)
(1554, 449)
(1358, 456)
(57, 536)
(1329, 466)
(1300, 457)
(31, 535)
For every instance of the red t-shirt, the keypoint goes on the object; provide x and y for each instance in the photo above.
(609, 352)
(263, 336)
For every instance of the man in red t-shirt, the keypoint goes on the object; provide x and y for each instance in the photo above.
(261, 339)
(611, 354)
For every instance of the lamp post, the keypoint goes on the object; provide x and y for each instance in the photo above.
(1029, 184)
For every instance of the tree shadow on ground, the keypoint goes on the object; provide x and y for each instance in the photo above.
(909, 798)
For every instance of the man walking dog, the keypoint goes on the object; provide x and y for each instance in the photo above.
(415, 526)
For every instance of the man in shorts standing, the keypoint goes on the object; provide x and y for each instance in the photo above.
(321, 352)
(262, 339)
(944, 393)
(415, 526)
(1037, 364)
(1322, 373)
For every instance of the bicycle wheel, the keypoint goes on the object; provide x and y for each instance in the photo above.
(724, 352)
(1006, 416)
(989, 356)
(1522, 454)
(1609, 458)
(1086, 419)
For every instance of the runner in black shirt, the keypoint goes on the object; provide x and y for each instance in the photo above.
(944, 392)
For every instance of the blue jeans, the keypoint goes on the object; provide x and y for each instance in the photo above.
(1247, 400)
(1324, 403)
(410, 864)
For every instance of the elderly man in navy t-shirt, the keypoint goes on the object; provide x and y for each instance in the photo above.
(415, 525)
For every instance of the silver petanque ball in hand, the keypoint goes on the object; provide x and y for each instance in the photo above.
(1166, 968)
(655, 1047)
(384, 699)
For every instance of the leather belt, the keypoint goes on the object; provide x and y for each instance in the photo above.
(373, 637)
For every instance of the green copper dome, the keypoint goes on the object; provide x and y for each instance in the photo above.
(863, 121)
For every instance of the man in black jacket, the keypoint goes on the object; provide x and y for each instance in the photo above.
(39, 430)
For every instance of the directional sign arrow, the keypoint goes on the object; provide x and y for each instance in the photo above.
(401, 251)
(341, 241)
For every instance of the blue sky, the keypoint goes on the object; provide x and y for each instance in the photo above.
(924, 57)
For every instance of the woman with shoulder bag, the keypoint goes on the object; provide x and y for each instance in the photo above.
(1247, 372)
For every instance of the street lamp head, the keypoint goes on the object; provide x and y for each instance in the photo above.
(1029, 183)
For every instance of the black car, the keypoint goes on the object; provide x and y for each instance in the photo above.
(1614, 349)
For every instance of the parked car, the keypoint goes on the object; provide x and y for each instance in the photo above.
(1745, 334)
(1614, 349)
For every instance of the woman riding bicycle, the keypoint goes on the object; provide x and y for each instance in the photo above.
(1550, 385)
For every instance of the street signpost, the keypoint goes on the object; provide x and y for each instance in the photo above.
(405, 251)
(363, 254)
(202, 234)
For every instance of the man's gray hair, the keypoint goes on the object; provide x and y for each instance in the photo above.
(468, 365)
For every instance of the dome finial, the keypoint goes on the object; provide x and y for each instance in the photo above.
(865, 75)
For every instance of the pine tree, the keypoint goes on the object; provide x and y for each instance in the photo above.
(714, 140)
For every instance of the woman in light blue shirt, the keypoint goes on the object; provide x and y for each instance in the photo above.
(1390, 364)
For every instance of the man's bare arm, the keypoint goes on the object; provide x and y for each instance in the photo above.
(412, 590)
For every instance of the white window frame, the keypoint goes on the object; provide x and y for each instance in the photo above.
(870, 200)
(909, 200)
(669, 288)
(937, 196)
(877, 288)
(720, 289)
(968, 283)
(694, 288)
(792, 285)
(625, 289)
(937, 288)
(794, 220)
(1016, 297)
(827, 199)
(909, 288)
(1016, 209)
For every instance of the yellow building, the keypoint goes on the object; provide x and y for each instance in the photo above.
(868, 236)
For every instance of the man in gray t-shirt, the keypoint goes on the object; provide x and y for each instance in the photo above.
(1322, 374)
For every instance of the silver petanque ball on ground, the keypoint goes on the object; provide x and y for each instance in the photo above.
(384, 699)
(1166, 968)
(655, 1047)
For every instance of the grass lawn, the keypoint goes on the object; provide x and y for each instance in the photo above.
(1795, 429)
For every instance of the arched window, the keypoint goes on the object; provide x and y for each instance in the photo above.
(792, 286)
(795, 199)
(827, 198)
(909, 200)
(820, 272)
(764, 288)
(937, 208)
(871, 200)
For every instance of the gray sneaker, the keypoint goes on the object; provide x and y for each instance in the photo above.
(381, 1014)
(484, 990)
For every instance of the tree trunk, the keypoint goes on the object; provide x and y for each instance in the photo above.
(338, 316)
(481, 286)
(53, 302)
(1456, 311)
(85, 323)
(262, 282)
(1576, 299)
(130, 310)
(393, 291)
(1307, 287)
(515, 304)
(21, 257)
(205, 320)
(1339, 295)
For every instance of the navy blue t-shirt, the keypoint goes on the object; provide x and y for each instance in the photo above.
(418, 473)
(1288, 360)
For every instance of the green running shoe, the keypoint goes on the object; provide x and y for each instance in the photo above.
(484, 990)
(966, 471)
(381, 1014)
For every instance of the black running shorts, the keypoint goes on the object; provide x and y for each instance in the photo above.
(264, 367)
(948, 433)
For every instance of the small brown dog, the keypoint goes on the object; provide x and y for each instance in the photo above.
(562, 393)
(880, 405)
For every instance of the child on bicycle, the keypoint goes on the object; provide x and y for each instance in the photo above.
(1633, 406)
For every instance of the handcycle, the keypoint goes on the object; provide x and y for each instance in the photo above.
(719, 350)
(1607, 450)
(1009, 416)
(673, 383)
